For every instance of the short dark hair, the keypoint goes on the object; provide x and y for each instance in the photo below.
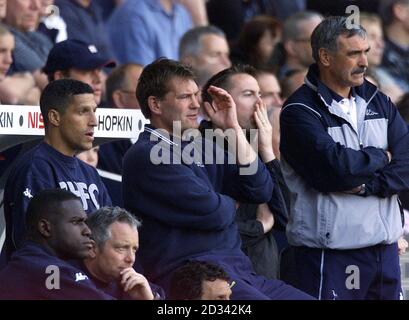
(286, 83)
(326, 34)
(58, 95)
(65, 73)
(222, 79)
(186, 282)
(100, 220)
(154, 80)
(46, 204)
(117, 80)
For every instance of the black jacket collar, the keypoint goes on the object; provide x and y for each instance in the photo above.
(365, 91)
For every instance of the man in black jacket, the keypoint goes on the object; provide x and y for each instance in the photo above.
(255, 222)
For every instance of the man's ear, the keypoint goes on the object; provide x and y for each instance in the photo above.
(154, 105)
(58, 75)
(93, 251)
(44, 227)
(188, 60)
(289, 47)
(116, 97)
(324, 57)
(54, 117)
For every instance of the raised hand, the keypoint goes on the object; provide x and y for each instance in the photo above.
(222, 111)
(265, 133)
(136, 285)
(265, 216)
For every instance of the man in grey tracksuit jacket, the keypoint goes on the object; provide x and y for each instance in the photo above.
(345, 156)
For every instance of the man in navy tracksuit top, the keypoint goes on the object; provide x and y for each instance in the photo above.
(345, 153)
(68, 109)
(255, 222)
(188, 207)
(56, 231)
(116, 236)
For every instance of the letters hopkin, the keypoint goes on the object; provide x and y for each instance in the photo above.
(165, 309)
(119, 123)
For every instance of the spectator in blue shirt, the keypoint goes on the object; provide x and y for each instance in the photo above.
(85, 22)
(32, 47)
(144, 30)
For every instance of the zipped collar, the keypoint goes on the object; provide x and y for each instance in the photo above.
(366, 91)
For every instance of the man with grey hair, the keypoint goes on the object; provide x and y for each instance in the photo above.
(206, 50)
(296, 46)
(344, 154)
(115, 232)
(395, 18)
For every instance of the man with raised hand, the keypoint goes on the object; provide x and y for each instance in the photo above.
(188, 205)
